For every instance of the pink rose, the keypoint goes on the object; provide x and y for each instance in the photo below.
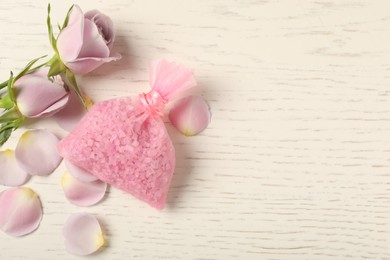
(37, 96)
(85, 43)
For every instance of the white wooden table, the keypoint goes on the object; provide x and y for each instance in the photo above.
(296, 161)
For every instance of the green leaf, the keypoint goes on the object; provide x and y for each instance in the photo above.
(52, 39)
(6, 126)
(6, 102)
(66, 21)
(73, 84)
(10, 115)
(5, 135)
(7, 129)
(56, 67)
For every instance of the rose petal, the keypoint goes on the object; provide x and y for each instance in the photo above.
(10, 173)
(72, 113)
(36, 152)
(84, 65)
(91, 14)
(82, 194)
(93, 43)
(40, 73)
(83, 234)
(104, 24)
(70, 39)
(190, 115)
(79, 173)
(54, 108)
(20, 211)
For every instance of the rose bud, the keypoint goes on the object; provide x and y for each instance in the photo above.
(37, 96)
(85, 43)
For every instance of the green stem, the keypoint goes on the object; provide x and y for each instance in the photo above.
(5, 83)
(70, 80)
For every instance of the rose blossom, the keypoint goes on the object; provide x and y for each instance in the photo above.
(37, 96)
(85, 43)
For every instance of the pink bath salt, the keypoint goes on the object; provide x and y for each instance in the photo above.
(124, 141)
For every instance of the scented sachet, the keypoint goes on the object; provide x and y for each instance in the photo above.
(124, 141)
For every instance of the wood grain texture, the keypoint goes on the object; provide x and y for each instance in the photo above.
(296, 161)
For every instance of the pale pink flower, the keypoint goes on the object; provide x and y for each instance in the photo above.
(37, 96)
(85, 43)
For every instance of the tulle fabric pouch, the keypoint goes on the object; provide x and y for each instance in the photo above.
(124, 141)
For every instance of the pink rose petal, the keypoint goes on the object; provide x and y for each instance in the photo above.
(70, 40)
(20, 211)
(36, 152)
(105, 25)
(83, 234)
(93, 46)
(190, 115)
(82, 194)
(79, 173)
(85, 65)
(10, 173)
(54, 108)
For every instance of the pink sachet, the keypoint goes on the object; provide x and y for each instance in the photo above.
(124, 141)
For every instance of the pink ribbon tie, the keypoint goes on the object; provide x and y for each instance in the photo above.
(154, 102)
